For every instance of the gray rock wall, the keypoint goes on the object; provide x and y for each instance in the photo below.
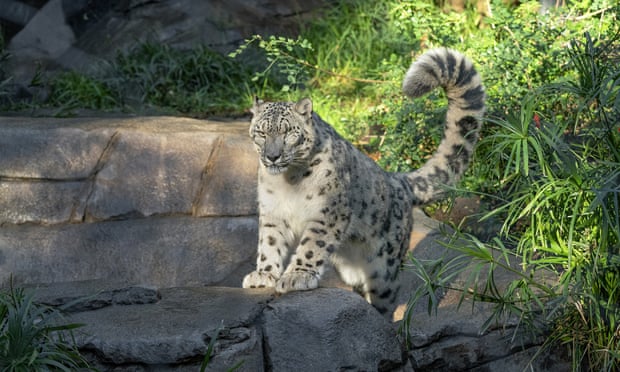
(158, 200)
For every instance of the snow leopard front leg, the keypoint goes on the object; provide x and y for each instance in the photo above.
(317, 243)
(273, 247)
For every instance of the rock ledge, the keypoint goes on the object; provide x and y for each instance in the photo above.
(325, 329)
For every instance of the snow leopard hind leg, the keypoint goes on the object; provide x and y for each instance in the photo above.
(381, 287)
(456, 74)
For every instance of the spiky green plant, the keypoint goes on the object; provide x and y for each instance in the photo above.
(33, 337)
(558, 179)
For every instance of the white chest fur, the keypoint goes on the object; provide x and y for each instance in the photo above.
(294, 203)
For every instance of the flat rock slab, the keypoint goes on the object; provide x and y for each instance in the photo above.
(93, 294)
(320, 330)
(163, 252)
(177, 329)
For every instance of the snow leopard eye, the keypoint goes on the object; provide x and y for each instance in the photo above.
(291, 137)
(259, 133)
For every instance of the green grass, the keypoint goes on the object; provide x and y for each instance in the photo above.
(196, 82)
(352, 60)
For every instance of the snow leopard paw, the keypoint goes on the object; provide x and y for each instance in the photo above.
(257, 279)
(297, 281)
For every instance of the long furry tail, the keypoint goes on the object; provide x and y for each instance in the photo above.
(463, 86)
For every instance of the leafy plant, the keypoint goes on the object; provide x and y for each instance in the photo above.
(284, 57)
(524, 298)
(558, 193)
(33, 337)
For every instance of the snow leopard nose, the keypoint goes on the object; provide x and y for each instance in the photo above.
(273, 149)
(273, 157)
(273, 153)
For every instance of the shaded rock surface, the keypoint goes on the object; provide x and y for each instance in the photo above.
(93, 294)
(76, 196)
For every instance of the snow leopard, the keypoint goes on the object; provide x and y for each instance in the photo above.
(322, 201)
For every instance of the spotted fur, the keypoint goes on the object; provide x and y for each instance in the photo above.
(322, 201)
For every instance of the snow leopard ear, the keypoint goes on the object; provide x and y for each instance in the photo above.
(304, 107)
(256, 105)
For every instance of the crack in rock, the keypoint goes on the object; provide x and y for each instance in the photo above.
(80, 212)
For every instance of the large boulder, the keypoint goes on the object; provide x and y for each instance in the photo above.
(329, 330)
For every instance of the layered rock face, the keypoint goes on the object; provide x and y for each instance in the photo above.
(133, 220)
(164, 201)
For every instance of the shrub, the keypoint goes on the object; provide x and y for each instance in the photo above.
(558, 180)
